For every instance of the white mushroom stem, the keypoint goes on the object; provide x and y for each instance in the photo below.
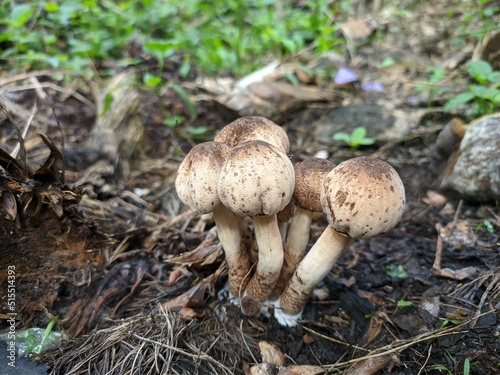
(321, 258)
(235, 250)
(270, 247)
(294, 248)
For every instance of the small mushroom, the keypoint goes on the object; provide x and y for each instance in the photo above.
(196, 185)
(362, 197)
(257, 180)
(254, 128)
(309, 175)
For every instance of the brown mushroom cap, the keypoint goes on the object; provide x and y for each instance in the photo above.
(253, 128)
(198, 176)
(256, 179)
(309, 175)
(363, 197)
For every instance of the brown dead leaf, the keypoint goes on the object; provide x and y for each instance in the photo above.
(434, 199)
(302, 370)
(262, 369)
(461, 274)
(372, 365)
(270, 353)
(355, 29)
(8, 205)
(206, 253)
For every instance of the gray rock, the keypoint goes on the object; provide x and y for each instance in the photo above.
(474, 170)
(383, 123)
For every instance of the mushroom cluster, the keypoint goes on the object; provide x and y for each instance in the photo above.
(246, 172)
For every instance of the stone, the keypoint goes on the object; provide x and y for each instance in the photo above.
(474, 170)
(383, 122)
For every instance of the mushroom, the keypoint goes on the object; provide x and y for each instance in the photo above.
(257, 180)
(196, 185)
(254, 128)
(362, 197)
(309, 175)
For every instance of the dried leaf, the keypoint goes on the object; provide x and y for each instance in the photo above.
(302, 370)
(206, 253)
(270, 353)
(371, 365)
(53, 168)
(357, 29)
(8, 205)
(434, 199)
(461, 274)
(13, 167)
(263, 369)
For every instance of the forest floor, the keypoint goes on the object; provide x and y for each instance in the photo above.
(134, 277)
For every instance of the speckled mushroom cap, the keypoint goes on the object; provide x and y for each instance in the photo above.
(256, 179)
(254, 128)
(363, 197)
(309, 175)
(198, 175)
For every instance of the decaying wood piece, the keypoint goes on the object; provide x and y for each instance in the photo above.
(44, 242)
(118, 129)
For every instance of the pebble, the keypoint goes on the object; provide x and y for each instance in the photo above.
(474, 170)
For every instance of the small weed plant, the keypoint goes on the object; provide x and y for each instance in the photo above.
(216, 36)
(356, 139)
(483, 95)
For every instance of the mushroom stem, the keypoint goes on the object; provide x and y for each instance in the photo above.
(270, 247)
(321, 258)
(235, 250)
(294, 248)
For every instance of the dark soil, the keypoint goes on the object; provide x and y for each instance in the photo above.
(382, 309)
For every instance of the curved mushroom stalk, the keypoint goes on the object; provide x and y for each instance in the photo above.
(309, 175)
(196, 184)
(235, 250)
(310, 271)
(257, 180)
(270, 261)
(294, 247)
(362, 197)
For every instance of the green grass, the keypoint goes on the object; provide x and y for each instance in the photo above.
(216, 36)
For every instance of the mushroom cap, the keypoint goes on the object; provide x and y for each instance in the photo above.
(363, 197)
(256, 179)
(254, 128)
(198, 175)
(309, 175)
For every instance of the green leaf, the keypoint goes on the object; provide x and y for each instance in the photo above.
(174, 121)
(46, 334)
(341, 136)
(443, 368)
(292, 78)
(494, 77)
(51, 7)
(151, 80)
(159, 47)
(447, 322)
(483, 92)
(466, 366)
(358, 134)
(198, 130)
(366, 141)
(460, 99)
(403, 303)
(185, 66)
(20, 14)
(387, 62)
(396, 271)
(480, 70)
(106, 105)
(185, 98)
